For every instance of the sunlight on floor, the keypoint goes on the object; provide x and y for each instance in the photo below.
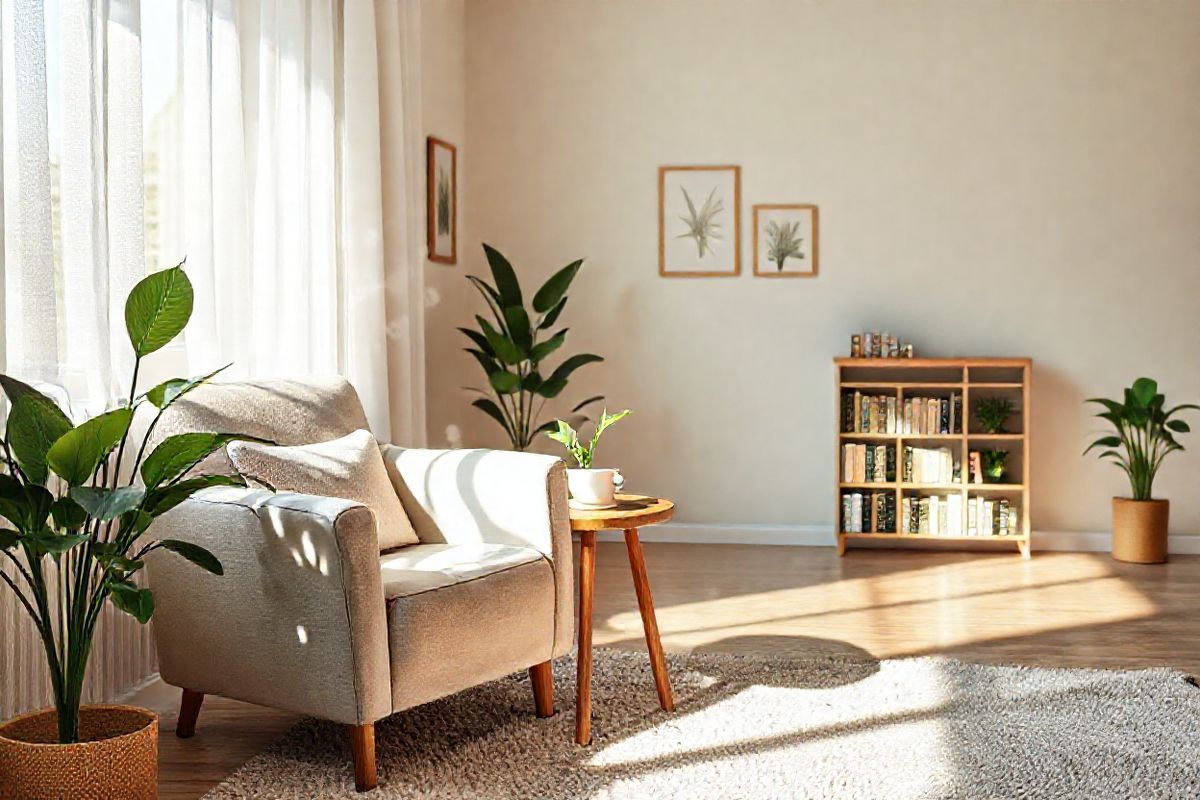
(953, 604)
(893, 714)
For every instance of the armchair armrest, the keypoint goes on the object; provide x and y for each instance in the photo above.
(494, 496)
(297, 621)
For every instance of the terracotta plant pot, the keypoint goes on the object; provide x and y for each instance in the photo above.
(1140, 530)
(116, 757)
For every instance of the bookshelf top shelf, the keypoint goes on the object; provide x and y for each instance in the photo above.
(909, 363)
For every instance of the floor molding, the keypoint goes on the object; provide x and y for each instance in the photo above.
(822, 536)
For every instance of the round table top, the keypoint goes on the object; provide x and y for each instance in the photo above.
(631, 511)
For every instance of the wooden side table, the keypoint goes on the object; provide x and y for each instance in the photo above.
(632, 512)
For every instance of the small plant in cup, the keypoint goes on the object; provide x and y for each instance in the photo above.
(995, 465)
(993, 413)
(584, 453)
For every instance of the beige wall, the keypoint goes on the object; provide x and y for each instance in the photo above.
(994, 178)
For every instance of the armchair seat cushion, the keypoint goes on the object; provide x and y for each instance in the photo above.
(462, 614)
(424, 567)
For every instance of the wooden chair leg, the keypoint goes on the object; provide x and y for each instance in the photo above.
(362, 745)
(189, 709)
(543, 689)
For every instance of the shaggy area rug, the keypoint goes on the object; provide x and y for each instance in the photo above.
(759, 727)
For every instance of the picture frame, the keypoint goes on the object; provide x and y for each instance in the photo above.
(699, 221)
(786, 240)
(441, 201)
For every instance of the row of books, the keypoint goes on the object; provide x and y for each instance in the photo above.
(942, 516)
(863, 413)
(869, 512)
(868, 463)
(931, 466)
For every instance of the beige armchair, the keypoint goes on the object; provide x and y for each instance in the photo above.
(311, 617)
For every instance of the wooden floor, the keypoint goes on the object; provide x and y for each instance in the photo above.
(1057, 609)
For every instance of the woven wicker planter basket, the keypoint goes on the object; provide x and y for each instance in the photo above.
(117, 757)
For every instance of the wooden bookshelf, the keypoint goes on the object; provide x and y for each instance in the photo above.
(974, 379)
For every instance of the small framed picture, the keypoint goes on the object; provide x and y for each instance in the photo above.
(699, 221)
(785, 241)
(441, 201)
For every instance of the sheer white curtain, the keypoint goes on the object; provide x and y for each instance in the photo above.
(282, 189)
(282, 158)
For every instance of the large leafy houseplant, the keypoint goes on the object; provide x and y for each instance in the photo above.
(1145, 433)
(513, 350)
(78, 512)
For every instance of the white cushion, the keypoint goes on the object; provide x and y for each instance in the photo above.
(350, 467)
(423, 567)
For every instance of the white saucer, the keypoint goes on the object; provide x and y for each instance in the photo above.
(579, 505)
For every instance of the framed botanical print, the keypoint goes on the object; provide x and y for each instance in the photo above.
(785, 241)
(699, 221)
(441, 201)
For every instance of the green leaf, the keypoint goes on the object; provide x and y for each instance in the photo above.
(492, 410)
(531, 382)
(545, 427)
(562, 432)
(1107, 441)
(161, 500)
(177, 454)
(504, 348)
(48, 542)
(35, 423)
(504, 382)
(8, 538)
(488, 363)
(1178, 425)
(193, 553)
(606, 420)
(543, 349)
(78, 452)
(168, 392)
(158, 309)
(553, 290)
(571, 364)
(137, 603)
(489, 294)
(1144, 390)
(551, 318)
(16, 389)
(587, 402)
(1112, 405)
(506, 279)
(106, 504)
(67, 513)
(480, 340)
(518, 328)
(14, 502)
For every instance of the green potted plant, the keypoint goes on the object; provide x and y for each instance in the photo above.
(993, 413)
(512, 352)
(1145, 435)
(995, 465)
(590, 488)
(80, 531)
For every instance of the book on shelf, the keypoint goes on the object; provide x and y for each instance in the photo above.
(869, 413)
(930, 465)
(868, 463)
(869, 512)
(932, 515)
(925, 416)
(988, 517)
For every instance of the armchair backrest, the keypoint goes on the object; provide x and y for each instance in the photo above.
(289, 412)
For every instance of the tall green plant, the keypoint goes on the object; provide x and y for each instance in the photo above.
(1145, 433)
(512, 351)
(79, 532)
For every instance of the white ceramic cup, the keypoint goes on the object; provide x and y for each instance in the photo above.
(595, 487)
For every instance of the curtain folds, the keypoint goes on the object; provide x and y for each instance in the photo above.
(289, 196)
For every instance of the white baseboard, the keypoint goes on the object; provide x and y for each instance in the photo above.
(822, 536)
